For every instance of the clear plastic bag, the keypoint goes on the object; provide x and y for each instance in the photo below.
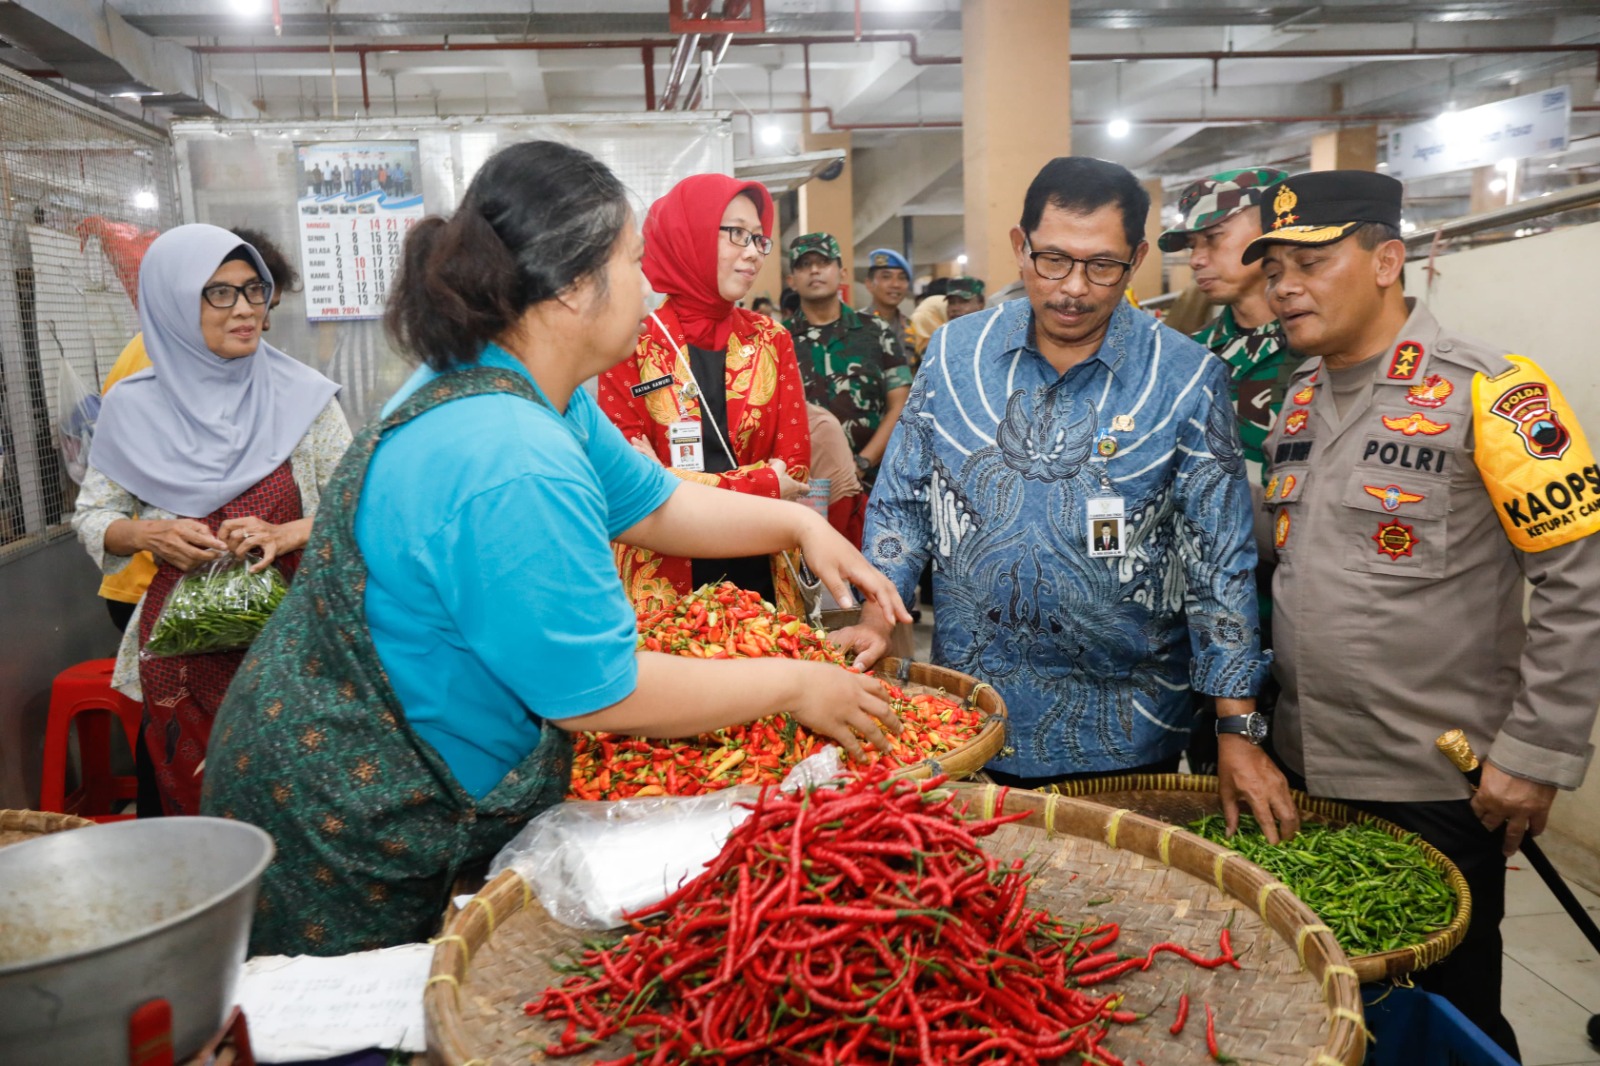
(220, 606)
(591, 862)
(77, 411)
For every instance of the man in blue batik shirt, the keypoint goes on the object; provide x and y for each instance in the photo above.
(1073, 469)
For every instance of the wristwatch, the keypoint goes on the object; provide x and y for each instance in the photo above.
(863, 464)
(1252, 726)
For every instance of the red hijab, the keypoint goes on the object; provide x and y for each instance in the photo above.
(680, 251)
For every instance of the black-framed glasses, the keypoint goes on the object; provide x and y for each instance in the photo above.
(744, 238)
(223, 296)
(1058, 266)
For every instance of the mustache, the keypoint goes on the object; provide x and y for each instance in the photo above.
(1072, 307)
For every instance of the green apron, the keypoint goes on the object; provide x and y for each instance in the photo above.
(312, 745)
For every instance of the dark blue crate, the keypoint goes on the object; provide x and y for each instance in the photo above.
(1411, 1027)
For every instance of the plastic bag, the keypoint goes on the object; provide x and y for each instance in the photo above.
(77, 411)
(592, 861)
(220, 606)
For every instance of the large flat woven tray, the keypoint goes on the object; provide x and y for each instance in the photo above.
(1296, 1002)
(19, 826)
(1182, 798)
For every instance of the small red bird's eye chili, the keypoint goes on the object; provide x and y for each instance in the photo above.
(1183, 1014)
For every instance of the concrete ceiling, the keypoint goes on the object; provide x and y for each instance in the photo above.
(1188, 111)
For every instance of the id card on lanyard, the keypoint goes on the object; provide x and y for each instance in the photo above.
(686, 436)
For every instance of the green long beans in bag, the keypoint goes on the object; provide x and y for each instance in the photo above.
(219, 607)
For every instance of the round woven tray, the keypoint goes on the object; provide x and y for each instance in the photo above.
(18, 826)
(1295, 1002)
(967, 759)
(1181, 798)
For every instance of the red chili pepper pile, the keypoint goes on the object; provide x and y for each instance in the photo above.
(722, 622)
(854, 924)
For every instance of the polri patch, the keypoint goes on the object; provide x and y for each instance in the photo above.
(645, 388)
(1295, 422)
(1304, 396)
(1280, 533)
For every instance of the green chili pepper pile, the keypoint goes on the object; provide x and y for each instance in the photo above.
(856, 923)
(222, 608)
(1375, 892)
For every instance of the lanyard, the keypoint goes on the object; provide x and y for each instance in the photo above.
(682, 360)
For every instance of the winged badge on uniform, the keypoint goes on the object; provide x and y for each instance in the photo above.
(1431, 391)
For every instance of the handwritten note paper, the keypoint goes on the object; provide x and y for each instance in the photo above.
(303, 1007)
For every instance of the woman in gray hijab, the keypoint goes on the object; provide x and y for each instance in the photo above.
(224, 444)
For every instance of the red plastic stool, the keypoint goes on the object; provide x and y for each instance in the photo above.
(83, 694)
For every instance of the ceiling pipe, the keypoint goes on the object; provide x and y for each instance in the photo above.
(685, 48)
(647, 55)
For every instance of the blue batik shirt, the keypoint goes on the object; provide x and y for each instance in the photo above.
(989, 473)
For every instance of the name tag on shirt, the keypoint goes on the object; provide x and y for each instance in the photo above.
(686, 446)
(647, 387)
(1106, 532)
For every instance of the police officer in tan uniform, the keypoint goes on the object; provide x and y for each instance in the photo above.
(1417, 480)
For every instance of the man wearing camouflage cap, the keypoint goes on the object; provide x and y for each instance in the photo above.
(1220, 216)
(963, 297)
(852, 364)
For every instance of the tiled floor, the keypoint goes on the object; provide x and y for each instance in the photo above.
(1552, 974)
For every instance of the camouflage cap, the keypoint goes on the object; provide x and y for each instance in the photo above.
(1211, 200)
(821, 243)
(965, 288)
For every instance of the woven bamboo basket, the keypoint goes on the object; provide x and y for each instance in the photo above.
(1181, 798)
(967, 759)
(1295, 1002)
(19, 826)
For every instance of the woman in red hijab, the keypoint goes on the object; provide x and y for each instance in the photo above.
(712, 391)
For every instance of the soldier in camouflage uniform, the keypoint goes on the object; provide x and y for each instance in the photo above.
(852, 364)
(1219, 219)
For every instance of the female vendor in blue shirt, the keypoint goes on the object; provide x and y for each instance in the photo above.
(458, 599)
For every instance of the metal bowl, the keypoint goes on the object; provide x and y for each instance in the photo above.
(95, 923)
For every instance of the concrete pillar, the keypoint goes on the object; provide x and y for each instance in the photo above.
(829, 206)
(769, 282)
(1483, 197)
(1016, 116)
(1346, 148)
(1147, 280)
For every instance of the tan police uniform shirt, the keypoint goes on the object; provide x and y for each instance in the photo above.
(1403, 532)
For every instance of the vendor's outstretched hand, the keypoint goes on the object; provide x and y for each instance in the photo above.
(1245, 773)
(839, 704)
(839, 565)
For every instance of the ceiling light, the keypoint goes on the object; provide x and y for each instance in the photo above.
(1118, 128)
(771, 134)
(1407, 226)
(145, 200)
(247, 7)
(961, 260)
(1506, 165)
(1383, 166)
(1497, 185)
(1553, 166)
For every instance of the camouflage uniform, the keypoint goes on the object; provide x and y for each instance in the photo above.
(850, 365)
(1257, 361)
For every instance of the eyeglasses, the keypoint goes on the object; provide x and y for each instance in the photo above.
(744, 238)
(1056, 266)
(223, 296)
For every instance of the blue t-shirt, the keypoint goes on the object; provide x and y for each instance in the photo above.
(492, 594)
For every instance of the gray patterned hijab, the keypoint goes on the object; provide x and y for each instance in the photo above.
(194, 430)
